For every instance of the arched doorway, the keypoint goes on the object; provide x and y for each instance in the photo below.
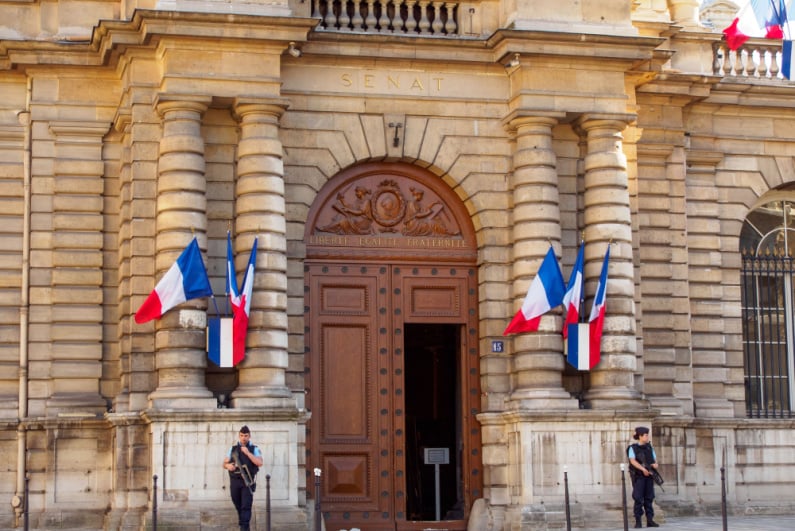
(767, 281)
(392, 362)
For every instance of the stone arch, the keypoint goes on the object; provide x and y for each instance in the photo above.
(389, 210)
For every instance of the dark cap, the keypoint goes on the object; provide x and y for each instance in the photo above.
(640, 430)
(245, 429)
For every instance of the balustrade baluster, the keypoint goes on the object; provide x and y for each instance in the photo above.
(370, 21)
(330, 21)
(357, 15)
(763, 54)
(775, 70)
(750, 67)
(383, 20)
(425, 24)
(438, 25)
(450, 26)
(344, 18)
(398, 22)
(411, 21)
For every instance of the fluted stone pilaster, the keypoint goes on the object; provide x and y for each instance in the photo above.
(180, 341)
(538, 362)
(607, 219)
(260, 212)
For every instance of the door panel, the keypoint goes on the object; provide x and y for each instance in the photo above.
(345, 377)
(348, 365)
(357, 316)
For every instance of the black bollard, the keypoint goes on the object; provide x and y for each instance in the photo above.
(566, 490)
(317, 500)
(723, 497)
(27, 499)
(154, 502)
(268, 502)
(624, 498)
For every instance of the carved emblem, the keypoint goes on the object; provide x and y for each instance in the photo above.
(387, 210)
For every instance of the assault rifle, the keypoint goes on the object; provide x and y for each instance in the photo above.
(658, 479)
(243, 470)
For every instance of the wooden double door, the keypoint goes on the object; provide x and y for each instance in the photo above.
(393, 387)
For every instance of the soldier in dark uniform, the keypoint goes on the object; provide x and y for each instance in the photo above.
(642, 460)
(243, 462)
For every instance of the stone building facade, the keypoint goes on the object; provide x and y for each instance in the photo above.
(404, 167)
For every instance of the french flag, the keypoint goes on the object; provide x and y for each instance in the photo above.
(787, 59)
(545, 292)
(240, 301)
(585, 339)
(758, 18)
(187, 279)
(573, 297)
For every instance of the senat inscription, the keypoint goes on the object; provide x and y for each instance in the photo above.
(392, 82)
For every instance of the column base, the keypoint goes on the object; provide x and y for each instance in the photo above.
(182, 398)
(621, 398)
(262, 397)
(541, 399)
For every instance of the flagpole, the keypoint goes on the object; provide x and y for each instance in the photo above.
(218, 313)
(781, 14)
(581, 302)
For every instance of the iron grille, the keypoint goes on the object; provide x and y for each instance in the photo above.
(768, 330)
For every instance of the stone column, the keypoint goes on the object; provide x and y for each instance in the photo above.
(685, 13)
(180, 343)
(538, 361)
(77, 262)
(260, 213)
(608, 219)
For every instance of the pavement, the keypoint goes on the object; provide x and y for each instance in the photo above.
(712, 523)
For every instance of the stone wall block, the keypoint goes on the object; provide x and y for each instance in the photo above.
(173, 227)
(272, 278)
(181, 202)
(261, 144)
(263, 166)
(69, 220)
(255, 222)
(270, 204)
(179, 168)
(538, 211)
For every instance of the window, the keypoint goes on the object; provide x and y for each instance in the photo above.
(767, 244)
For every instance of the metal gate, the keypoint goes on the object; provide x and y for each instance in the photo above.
(768, 333)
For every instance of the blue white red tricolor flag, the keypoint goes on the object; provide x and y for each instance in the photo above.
(572, 300)
(240, 300)
(597, 318)
(585, 339)
(758, 18)
(220, 340)
(787, 59)
(187, 279)
(545, 292)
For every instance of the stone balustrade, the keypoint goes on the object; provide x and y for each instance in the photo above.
(407, 17)
(757, 58)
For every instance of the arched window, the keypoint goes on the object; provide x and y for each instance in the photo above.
(767, 244)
